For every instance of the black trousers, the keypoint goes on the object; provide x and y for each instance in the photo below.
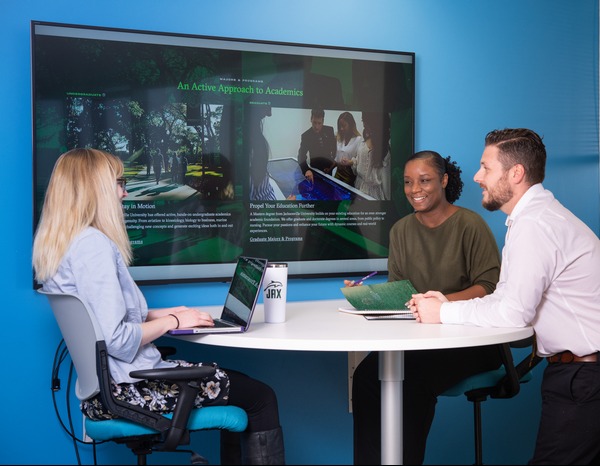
(260, 403)
(427, 374)
(569, 431)
(256, 398)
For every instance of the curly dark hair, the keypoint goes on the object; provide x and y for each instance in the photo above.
(443, 165)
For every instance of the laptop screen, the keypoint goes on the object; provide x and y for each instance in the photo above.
(244, 290)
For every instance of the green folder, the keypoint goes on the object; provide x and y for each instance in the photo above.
(381, 296)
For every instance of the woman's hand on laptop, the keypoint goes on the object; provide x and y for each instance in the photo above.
(186, 316)
(160, 321)
(191, 317)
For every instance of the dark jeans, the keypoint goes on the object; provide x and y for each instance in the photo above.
(569, 431)
(427, 374)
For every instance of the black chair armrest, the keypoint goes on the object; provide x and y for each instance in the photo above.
(187, 381)
(505, 388)
(509, 386)
(175, 373)
(174, 431)
(528, 364)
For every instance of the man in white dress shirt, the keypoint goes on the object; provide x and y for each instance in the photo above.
(549, 279)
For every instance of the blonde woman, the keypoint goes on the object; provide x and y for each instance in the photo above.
(81, 247)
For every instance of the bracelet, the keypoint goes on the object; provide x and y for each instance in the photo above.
(176, 318)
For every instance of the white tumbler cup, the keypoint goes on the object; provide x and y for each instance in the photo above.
(275, 291)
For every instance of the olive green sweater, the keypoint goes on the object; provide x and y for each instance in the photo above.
(459, 253)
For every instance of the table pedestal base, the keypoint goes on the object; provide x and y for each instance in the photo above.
(391, 374)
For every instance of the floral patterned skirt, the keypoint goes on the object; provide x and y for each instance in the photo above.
(160, 396)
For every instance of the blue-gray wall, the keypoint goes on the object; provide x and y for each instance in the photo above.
(480, 65)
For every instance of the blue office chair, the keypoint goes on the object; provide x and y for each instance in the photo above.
(141, 430)
(503, 382)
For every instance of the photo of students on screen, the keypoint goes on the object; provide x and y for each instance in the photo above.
(348, 140)
(293, 180)
(371, 165)
(317, 146)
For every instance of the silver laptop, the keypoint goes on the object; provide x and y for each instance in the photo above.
(240, 302)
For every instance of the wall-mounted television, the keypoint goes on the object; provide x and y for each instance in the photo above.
(181, 112)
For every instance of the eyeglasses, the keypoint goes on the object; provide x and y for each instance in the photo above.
(123, 183)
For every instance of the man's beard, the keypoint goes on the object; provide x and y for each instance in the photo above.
(501, 194)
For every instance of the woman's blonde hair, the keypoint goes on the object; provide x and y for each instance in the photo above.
(82, 192)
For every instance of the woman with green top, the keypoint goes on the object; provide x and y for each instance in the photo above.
(443, 247)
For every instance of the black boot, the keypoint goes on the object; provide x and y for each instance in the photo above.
(264, 447)
(231, 450)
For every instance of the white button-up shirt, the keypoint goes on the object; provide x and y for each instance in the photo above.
(549, 278)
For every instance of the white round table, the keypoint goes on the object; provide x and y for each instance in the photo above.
(319, 326)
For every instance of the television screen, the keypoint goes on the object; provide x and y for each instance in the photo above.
(231, 146)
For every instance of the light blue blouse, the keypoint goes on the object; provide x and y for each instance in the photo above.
(94, 270)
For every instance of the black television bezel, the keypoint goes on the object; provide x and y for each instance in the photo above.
(165, 274)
